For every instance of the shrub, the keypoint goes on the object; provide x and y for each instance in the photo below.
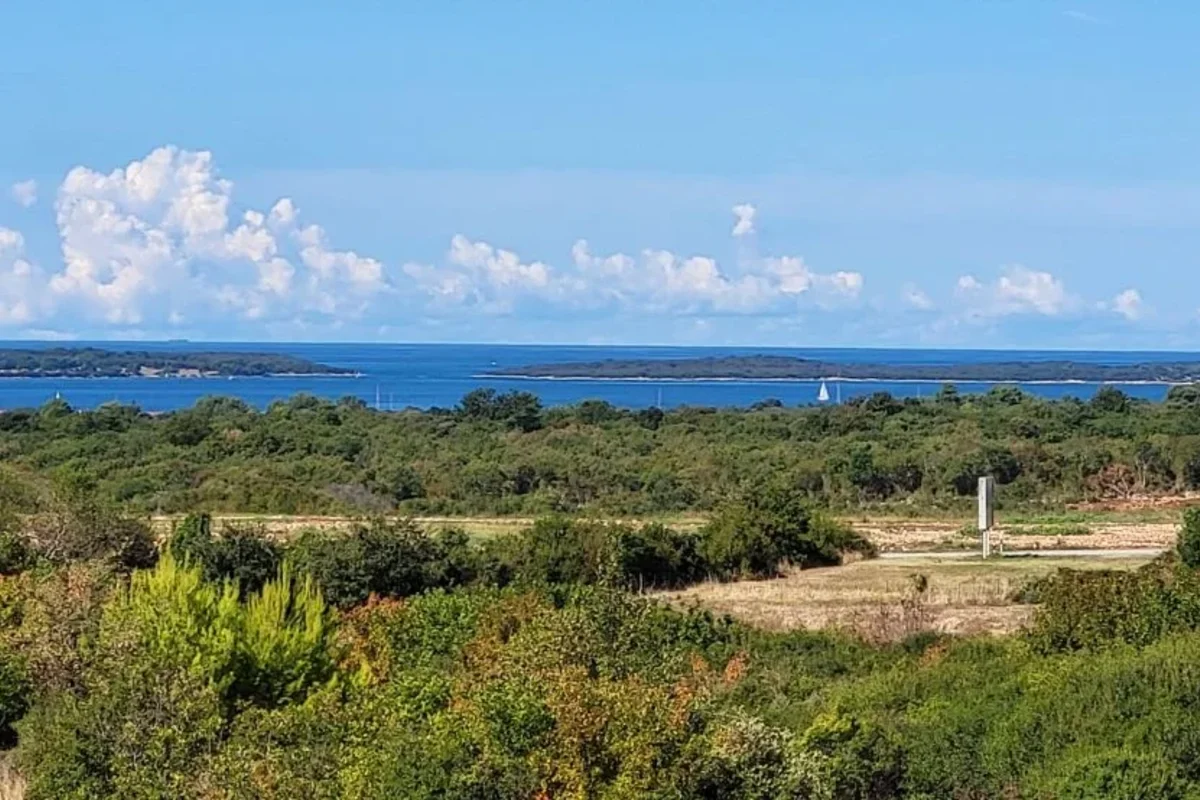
(1188, 543)
(176, 657)
(1117, 773)
(389, 558)
(337, 563)
(242, 553)
(744, 759)
(1095, 609)
(558, 550)
(657, 556)
(73, 526)
(15, 553)
(16, 693)
(49, 617)
(769, 526)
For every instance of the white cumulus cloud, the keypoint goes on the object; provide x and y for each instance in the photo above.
(163, 242)
(744, 219)
(154, 243)
(20, 300)
(914, 297)
(658, 281)
(1128, 304)
(25, 193)
(1018, 290)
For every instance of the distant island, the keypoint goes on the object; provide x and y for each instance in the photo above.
(764, 367)
(93, 362)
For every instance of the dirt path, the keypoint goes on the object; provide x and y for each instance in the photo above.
(1146, 553)
(910, 536)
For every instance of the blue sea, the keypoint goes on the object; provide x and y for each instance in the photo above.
(398, 376)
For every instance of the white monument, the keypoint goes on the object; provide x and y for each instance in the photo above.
(987, 511)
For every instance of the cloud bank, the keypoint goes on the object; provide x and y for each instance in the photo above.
(162, 245)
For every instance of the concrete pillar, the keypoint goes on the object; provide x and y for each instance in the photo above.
(987, 510)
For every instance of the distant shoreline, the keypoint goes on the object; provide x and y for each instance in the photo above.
(785, 368)
(94, 362)
(215, 377)
(827, 379)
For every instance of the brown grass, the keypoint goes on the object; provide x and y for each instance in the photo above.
(12, 785)
(963, 596)
(889, 535)
(283, 526)
(925, 535)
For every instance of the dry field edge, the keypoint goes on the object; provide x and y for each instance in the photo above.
(888, 534)
(965, 594)
(875, 599)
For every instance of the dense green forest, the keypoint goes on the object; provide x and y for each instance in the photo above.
(93, 362)
(506, 454)
(767, 367)
(392, 662)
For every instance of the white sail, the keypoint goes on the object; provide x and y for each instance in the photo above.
(823, 395)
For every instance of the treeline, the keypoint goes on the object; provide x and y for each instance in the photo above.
(93, 362)
(753, 535)
(189, 679)
(767, 367)
(503, 453)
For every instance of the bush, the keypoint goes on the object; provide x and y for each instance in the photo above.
(560, 551)
(1117, 773)
(384, 557)
(175, 658)
(769, 526)
(242, 553)
(1188, 543)
(1095, 609)
(557, 550)
(15, 553)
(655, 556)
(72, 526)
(16, 692)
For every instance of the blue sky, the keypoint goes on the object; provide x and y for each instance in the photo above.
(955, 173)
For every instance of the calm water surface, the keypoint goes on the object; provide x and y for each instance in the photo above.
(424, 375)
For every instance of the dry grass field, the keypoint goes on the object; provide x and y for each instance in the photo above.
(888, 534)
(878, 599)
(875, 598)
(926, 535)
(481, 527)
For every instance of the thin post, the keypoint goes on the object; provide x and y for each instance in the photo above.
(987, 506)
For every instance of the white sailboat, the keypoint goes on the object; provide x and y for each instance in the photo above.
(823, 395)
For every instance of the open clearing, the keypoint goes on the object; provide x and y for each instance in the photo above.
(481, 527)
(963, 596)
(889, 535)
(925, 535)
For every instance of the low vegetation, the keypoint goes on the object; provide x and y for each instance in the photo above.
(178, 681)
(388, 660)
(503, 454)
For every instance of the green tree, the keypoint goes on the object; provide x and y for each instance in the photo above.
(766, 526)
(1188, 542)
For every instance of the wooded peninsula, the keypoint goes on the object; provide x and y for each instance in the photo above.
(93, 362)
(769, 367)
